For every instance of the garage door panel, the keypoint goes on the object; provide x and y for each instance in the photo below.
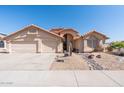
(23, 47)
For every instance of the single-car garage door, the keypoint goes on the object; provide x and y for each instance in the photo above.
(49, 46)
(23, 47)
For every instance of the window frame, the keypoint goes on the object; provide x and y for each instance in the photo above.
(30, 32)
(2, 44)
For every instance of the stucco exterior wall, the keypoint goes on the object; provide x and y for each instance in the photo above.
(84, 44)
(79, 44)
(93, 41)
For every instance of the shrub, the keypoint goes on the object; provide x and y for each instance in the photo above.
(98, 48)
(117, 45)
(109, 48)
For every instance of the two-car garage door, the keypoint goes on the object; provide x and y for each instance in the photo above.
(32, 47)
(23, 47)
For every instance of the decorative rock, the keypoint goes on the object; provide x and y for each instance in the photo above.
(90, 56)
(98, 56)
(60, 60)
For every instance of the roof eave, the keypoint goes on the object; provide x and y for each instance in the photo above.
(32, 26)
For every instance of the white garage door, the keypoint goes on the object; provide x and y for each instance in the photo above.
(49, 46)
(23, 47)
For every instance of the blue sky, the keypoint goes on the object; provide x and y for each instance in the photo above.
(106, 19)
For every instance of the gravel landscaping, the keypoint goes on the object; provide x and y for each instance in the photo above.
(106, 62)
(92, 63)
(74, 62)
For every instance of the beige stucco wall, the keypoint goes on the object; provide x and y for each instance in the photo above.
(69, 40)
(79, 44)
(97, 39)
(44, 40)
(83, 45)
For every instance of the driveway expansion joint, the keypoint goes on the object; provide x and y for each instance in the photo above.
(112, 79)
(76, 78)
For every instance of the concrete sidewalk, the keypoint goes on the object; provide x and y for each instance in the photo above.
(78, 78)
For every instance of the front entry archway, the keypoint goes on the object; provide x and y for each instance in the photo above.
(68, 42)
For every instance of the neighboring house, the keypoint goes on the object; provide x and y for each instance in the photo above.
(35, 39)
(2, 42)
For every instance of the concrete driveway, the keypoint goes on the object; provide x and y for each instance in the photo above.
(26, 61)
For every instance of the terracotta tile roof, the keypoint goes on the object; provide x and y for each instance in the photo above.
(77, 37)
(94, 31)
(59, 30)
(70, 29)
(56, 30)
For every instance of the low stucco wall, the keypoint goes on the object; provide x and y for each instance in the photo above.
(3, 50)
(117, 51)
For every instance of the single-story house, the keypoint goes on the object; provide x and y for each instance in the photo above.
(34, 39)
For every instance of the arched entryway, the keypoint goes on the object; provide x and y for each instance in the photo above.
(68, 42)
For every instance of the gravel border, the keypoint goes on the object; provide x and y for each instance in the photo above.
(92, 63)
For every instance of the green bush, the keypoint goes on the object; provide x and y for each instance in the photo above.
(117, 45)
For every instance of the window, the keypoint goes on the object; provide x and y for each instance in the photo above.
(95, 43)
(89, 43)
(1, 44)
(32, 31)
(92, 43)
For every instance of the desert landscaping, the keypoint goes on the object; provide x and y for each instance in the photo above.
(81, 61)
(106, 61)
(74, 62)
